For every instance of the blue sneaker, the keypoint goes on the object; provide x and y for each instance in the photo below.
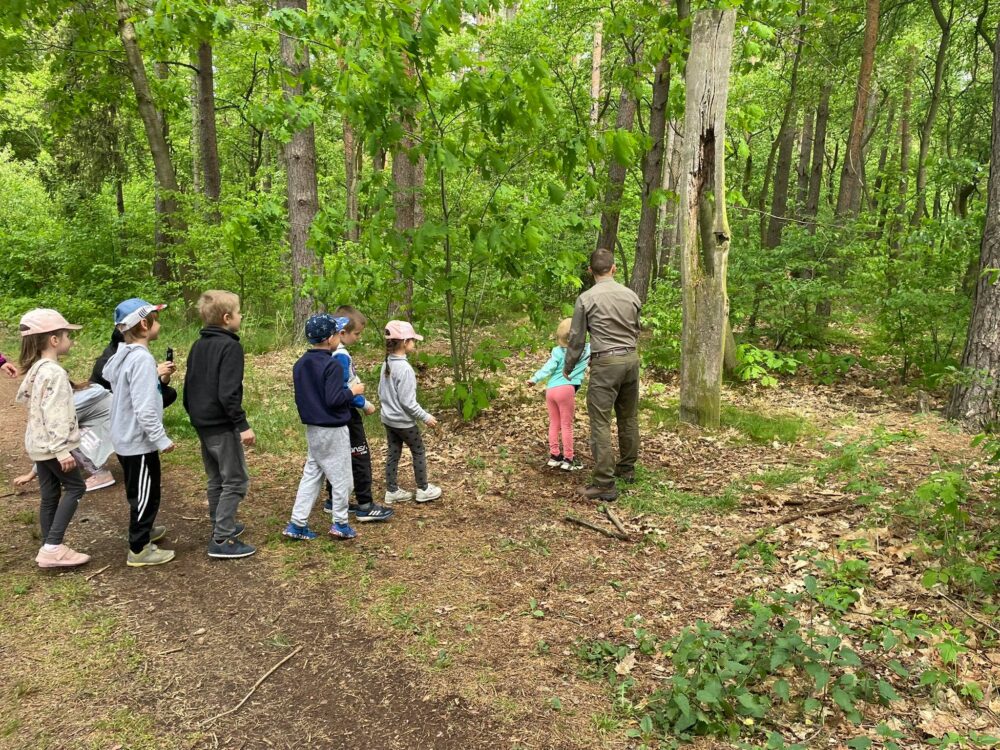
(299, 532)
(328, 506)
(373, 513)
(342, 531)
(352, 508)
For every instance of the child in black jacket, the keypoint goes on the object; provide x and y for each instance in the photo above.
(213, 398)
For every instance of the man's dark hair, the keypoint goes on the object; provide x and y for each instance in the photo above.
(601, 261)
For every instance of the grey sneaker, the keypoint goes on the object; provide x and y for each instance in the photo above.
(571, 464)
(231, 548)
(157, 533)
(397, 496)
(150, 555)
(433, 492)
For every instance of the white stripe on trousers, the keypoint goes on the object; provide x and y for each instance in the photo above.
(144, 486)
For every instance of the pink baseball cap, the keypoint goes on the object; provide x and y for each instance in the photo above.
(400, 329)
(44, 320)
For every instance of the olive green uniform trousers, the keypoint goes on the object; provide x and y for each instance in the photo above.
(614, 386)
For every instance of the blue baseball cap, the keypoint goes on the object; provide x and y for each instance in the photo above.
(322, 326)
(131, 311)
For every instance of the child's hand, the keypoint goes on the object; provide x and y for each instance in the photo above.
(432, 421)
(68, 463)
(248, 438)
(8, 367)
(358, 388)
(169, 448)
(24, 479)
(369, 409)
(165, 370)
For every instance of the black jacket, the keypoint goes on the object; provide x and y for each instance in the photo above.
(97, 374)
(320, 394)
(213, 383)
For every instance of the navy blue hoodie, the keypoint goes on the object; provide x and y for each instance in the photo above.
(320, 394)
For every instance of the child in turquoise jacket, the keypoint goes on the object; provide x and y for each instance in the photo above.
(560, 398)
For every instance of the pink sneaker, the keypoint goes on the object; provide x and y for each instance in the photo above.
(100, 480)
(61, 557)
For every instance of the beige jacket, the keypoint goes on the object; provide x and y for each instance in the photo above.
(52, 427)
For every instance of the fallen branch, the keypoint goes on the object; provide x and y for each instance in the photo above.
(613, 517)
(171, 651)
(967, 613)
(791, 518)
(595, 527)
(188, 518)
(256, 685)
(96, 573)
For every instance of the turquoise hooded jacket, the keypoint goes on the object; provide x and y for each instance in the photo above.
(552, 371)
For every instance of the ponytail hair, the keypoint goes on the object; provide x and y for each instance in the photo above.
(391, 347)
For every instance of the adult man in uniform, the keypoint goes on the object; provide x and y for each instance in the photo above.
(609, 312)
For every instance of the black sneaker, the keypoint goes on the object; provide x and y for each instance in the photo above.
(231, 548)
(555, 461)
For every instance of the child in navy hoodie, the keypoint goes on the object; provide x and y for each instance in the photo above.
(324, 404)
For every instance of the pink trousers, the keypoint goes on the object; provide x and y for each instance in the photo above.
(561, 401)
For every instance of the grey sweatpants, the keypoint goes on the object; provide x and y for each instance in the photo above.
(330, 456)
(228, 479)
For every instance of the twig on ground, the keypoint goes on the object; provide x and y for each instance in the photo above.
(256, 685)
(967, 613)
(171, 650)
(96, 573)
(595, 527)
(790, 518)
(613, 517)
(188, 518)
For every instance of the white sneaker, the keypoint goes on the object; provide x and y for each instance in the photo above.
(433, 492)
(399, 496)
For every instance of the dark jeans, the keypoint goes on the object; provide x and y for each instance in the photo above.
(614, 386)
(398, 436)
(361, 460)
(142, 490)
(61, 493)
(228, 479)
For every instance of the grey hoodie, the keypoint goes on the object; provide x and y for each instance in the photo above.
(137, 406)
(397, 392)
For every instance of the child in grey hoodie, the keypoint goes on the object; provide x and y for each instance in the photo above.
(137, 427)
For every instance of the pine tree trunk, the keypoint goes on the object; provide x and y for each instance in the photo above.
(208, 143)
(300, 165)
(849, 197)
(169, 225)
(704, 225)
(610, 214)
(927, 131)
(977, 403)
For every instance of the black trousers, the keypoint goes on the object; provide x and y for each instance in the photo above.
(361, 460)
(397, 438)
(142, 490)
(61, 493)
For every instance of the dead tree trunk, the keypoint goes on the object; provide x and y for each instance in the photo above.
(976, 403)
(849, 196)
(595, 73)
(704, 224)
(300, 165)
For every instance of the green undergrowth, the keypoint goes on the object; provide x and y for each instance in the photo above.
(754, 426)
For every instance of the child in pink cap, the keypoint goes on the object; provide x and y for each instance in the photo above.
(400, 412)
(53, 433)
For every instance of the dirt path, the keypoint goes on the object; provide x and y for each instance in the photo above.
(207, 630)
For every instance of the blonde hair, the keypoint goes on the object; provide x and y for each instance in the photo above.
(215, 304)
(562, 331)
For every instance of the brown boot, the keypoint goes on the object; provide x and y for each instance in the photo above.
(596, 492)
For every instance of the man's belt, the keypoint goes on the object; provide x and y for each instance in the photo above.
(609, 352)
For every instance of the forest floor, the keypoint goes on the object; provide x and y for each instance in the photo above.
(485, 620)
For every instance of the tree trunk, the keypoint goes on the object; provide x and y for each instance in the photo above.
(877, 197)
(849, 197)
(408, 179)
(208, 143)
(352, 161)
(652, 172)
(704, 225)
(976, 403)
(595, 73)
(927, 131)
(782, 173)
(896, 231)
(611, 212)
(171, 225)
(300, 164)
(669, 232)
(805, 154)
